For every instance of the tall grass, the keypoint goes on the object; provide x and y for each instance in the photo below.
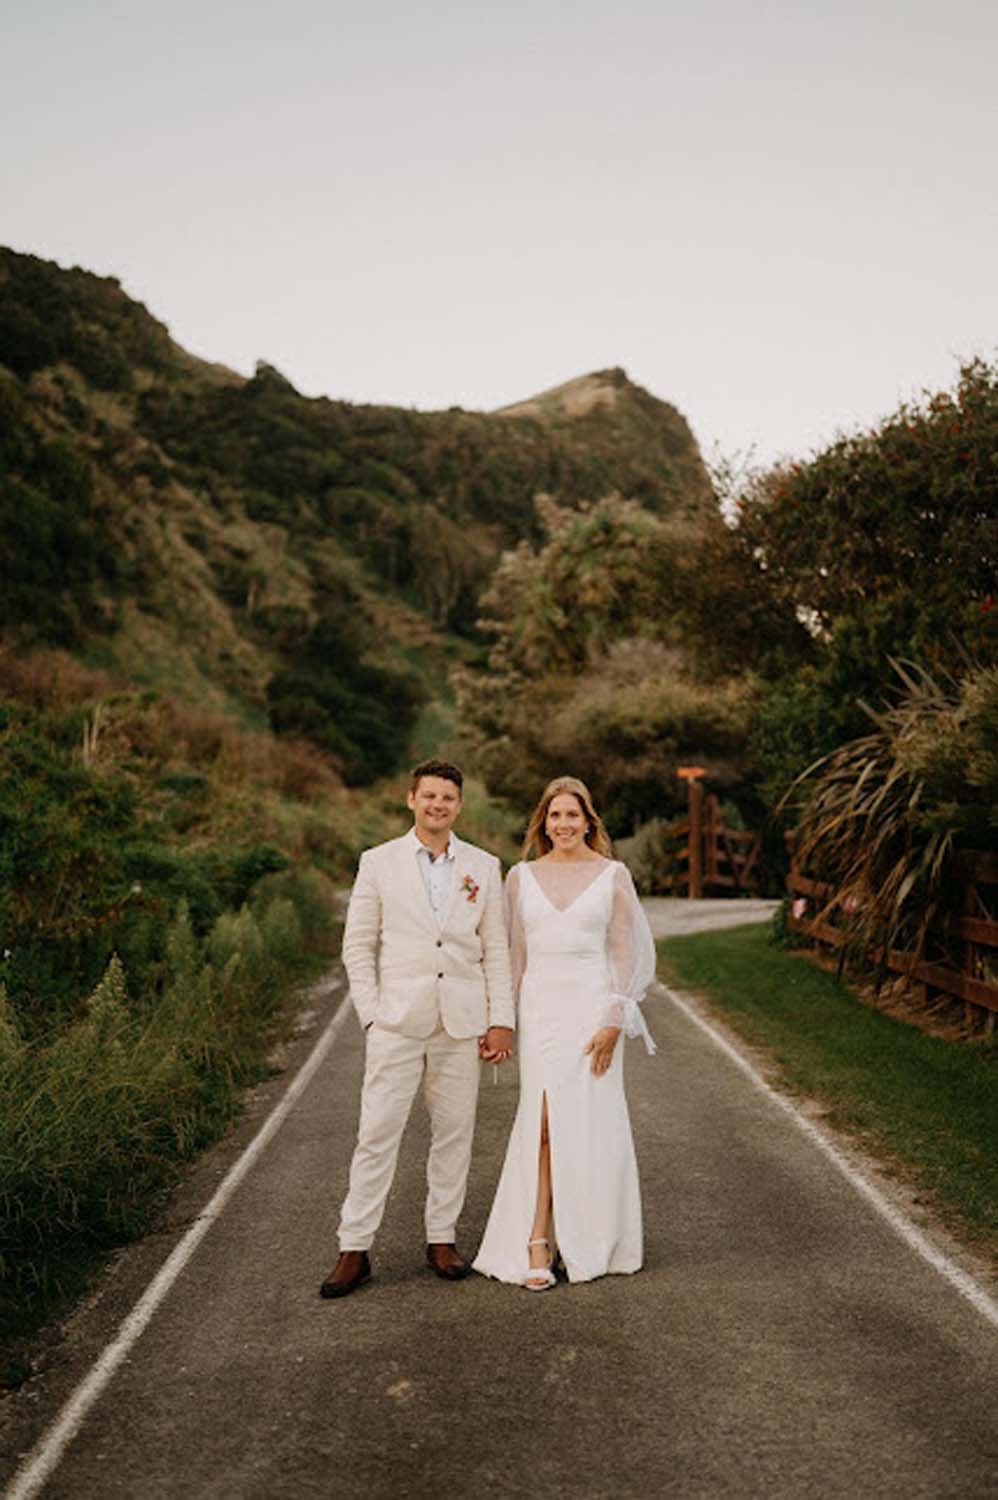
(165, 879)
(96, 1119)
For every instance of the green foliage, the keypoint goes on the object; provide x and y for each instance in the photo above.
(902, 517)
(221, 521)
(880, 817)
(11, 1041)
(424, 500)
(604, 662)
(651, 855)
(552, 608)
(84, 873)
(63, 876)
(53, 569)
(359, 711)
(95, 1120)
(887, 544)
(47, 315)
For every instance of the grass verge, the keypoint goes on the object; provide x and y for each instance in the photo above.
(98, 1118)
(926, 1106)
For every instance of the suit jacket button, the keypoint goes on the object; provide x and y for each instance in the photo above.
(440, 942)
(440, 976)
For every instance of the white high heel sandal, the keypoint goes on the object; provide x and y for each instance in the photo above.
(539, 1278)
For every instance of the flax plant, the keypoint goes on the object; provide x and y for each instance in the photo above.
(880, 817)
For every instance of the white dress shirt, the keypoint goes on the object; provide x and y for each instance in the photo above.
(438, 875)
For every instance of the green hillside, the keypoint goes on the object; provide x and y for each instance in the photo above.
(310, 564)
(229, 615)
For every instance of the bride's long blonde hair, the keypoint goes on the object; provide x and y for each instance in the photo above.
(537, 842)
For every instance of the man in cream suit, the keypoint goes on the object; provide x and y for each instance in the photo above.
(427, 958)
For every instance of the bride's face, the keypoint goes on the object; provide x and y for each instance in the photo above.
(565, 824)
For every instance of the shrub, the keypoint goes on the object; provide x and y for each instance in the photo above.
(359, 712)
(886, 543)
(95, 1119)
(55, 571)
(44, 679)
(652, 856)
(880, 817)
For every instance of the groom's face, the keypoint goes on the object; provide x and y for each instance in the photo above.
(435, 804)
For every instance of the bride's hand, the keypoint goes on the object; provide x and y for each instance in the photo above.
(601, 1046)
(496, 1045)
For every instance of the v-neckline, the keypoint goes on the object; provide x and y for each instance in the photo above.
(564, 910)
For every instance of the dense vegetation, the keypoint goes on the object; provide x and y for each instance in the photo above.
(622, 646)
(230, 614)
(308, 564)
(256, 598)
(162, 886)
(626, 647)
(880, 817)
(887, 544)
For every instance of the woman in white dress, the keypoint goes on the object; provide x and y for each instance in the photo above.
(583, 956)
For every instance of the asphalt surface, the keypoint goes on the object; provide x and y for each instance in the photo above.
(781, 1340)
(668, 916)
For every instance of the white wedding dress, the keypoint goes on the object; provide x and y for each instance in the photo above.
(583, 956)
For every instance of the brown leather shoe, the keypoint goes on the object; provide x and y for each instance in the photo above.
(351, 1271)
(445, 1260)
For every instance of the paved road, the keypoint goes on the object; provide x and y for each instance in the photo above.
(781, 1342)
(671, 915)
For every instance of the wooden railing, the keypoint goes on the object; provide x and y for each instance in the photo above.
(714, 857)
(962, 962)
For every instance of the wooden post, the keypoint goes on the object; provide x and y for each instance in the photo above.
(691, 775)
(711, 823)
(969, 951)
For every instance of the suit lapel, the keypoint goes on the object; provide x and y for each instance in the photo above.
(414, 883)
(458, 874)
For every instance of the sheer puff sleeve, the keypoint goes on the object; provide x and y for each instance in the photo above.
(631, 951)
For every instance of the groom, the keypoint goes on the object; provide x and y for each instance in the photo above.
(428, 963)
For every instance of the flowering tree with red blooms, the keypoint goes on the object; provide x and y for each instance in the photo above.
(886, 545)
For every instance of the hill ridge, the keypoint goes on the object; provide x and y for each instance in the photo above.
(576, 396)
(145, 490)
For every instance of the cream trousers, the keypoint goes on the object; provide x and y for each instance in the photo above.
(395, 1065)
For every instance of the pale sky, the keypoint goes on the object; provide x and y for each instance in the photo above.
(780, 216)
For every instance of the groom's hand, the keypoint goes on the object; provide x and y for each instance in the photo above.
(496, 1045)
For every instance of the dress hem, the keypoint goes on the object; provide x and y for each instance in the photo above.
(572, 1280)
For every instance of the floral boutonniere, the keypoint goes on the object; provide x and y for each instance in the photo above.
(470, 887)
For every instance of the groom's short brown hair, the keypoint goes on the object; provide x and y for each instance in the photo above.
(442, 768)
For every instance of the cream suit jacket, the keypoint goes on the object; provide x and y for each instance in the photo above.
(407, 973)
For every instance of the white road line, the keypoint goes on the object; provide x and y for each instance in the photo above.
(899, 1222)
(44, 1458)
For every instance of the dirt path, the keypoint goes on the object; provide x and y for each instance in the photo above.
(781, 1341)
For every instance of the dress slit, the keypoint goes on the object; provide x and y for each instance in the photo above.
(546, 1110)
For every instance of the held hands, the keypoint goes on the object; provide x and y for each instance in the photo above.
(496, 1045)
(601, 1046)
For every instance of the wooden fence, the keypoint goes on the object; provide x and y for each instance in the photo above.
(715, 858)
(962, 953)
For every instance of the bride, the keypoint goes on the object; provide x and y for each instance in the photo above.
(582, 957)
